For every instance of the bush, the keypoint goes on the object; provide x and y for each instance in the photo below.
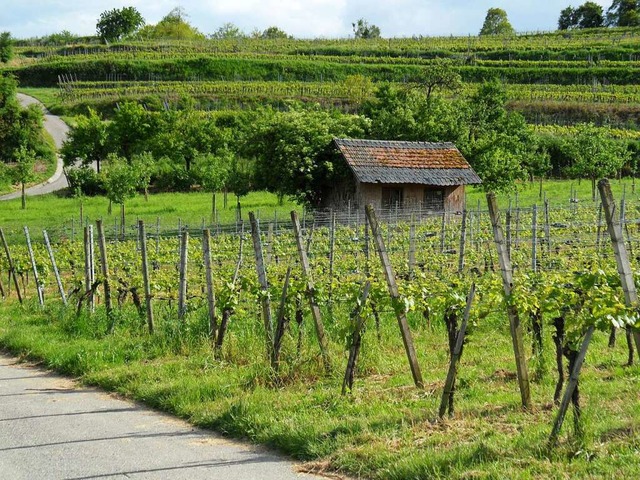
(85, 180)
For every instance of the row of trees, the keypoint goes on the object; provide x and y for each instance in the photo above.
(621, 13)
(291, 152)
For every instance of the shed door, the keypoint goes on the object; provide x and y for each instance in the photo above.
(391, 197)
(434, 199)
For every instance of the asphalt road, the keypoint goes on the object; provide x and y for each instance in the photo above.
(52, 429)
(58, 130)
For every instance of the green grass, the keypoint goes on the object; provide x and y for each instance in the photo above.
(385, 429)
(47, 168)
(56, 213)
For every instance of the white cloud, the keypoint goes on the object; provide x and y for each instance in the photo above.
(311, 18)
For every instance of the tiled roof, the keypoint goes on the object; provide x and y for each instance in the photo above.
(377, 161)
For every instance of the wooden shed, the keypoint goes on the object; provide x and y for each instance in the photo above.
(406, 175)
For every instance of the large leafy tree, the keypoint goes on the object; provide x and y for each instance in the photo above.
(115, 24)
(496, 23)
(23, 170)
(6, 47)
(588, 15)
(226, 31)
(595, 154)
(173, 26)
(624, 13)
(213, 173)
(87, 141)
(363, 29)
(294, 151)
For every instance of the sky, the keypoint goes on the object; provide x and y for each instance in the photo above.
(301, 18)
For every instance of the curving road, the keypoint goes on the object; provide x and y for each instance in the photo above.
(58, 130)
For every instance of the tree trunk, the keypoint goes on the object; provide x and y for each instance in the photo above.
(24, 197)
(593, 189)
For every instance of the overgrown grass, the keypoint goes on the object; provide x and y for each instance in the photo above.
(385, 429)
(56, 213)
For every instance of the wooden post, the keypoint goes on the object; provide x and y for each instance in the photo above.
(395, 297)
(356, 339)
(571, 386)
(534, 239)
(34, 268)
(54, 265)
(92, 266)
(87, 267)
(104, 265)
(281, 323)
(182, 288)
(264, 284)
(619, 249)
(269, 242)
(412, 247)
(547, 227)
(512, 312)
(145, 275)
(211, 298)
(12, 267)
(313, 304)
(463, 241)
(455, 355)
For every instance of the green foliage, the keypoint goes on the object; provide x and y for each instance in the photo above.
(120, 179)
(294, 151)
(496, 23)
(595, 154)
(212, 172)
(273, 33)
(624, 13)
(588, 15)
(173, 26)
(362, 29)
(6, 47)
(115, 24)
(85, 180)
(227, 31)
(87, 141)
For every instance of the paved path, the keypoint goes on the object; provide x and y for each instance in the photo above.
(52, 429)
(58, 130)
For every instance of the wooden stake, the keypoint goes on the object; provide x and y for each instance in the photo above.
(356, 338)
(12, 268)
(34, 268)
(211, 298)
(512, 312)
(182, 288)
(87, 267)
(104, 265)
(142, 235)
(455, 355)
(395, 297)
(313, 304)
(619, 249)
(264, 284)
(571, 386)
(534, 239)
(281, 320)
(54, 265)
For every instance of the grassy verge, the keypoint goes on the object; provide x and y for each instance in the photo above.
(44, 169)
(385, 429)
(56, 213)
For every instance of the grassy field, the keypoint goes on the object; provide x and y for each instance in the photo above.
(385, 429)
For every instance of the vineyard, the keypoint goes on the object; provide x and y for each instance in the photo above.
(289, 300)
(559, 77)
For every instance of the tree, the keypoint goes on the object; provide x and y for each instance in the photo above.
(440, 74)
(227, 31)
(295, 155)
(87, 141)
(624, 13)
(595, 154)
(115, 24)
(22, 172)
(212, 172)
(120, 181)
(6, 47)
(590, 15)
(173, 26)
(362, 29)
(567, 19)
(274, 33)
(496, 23)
